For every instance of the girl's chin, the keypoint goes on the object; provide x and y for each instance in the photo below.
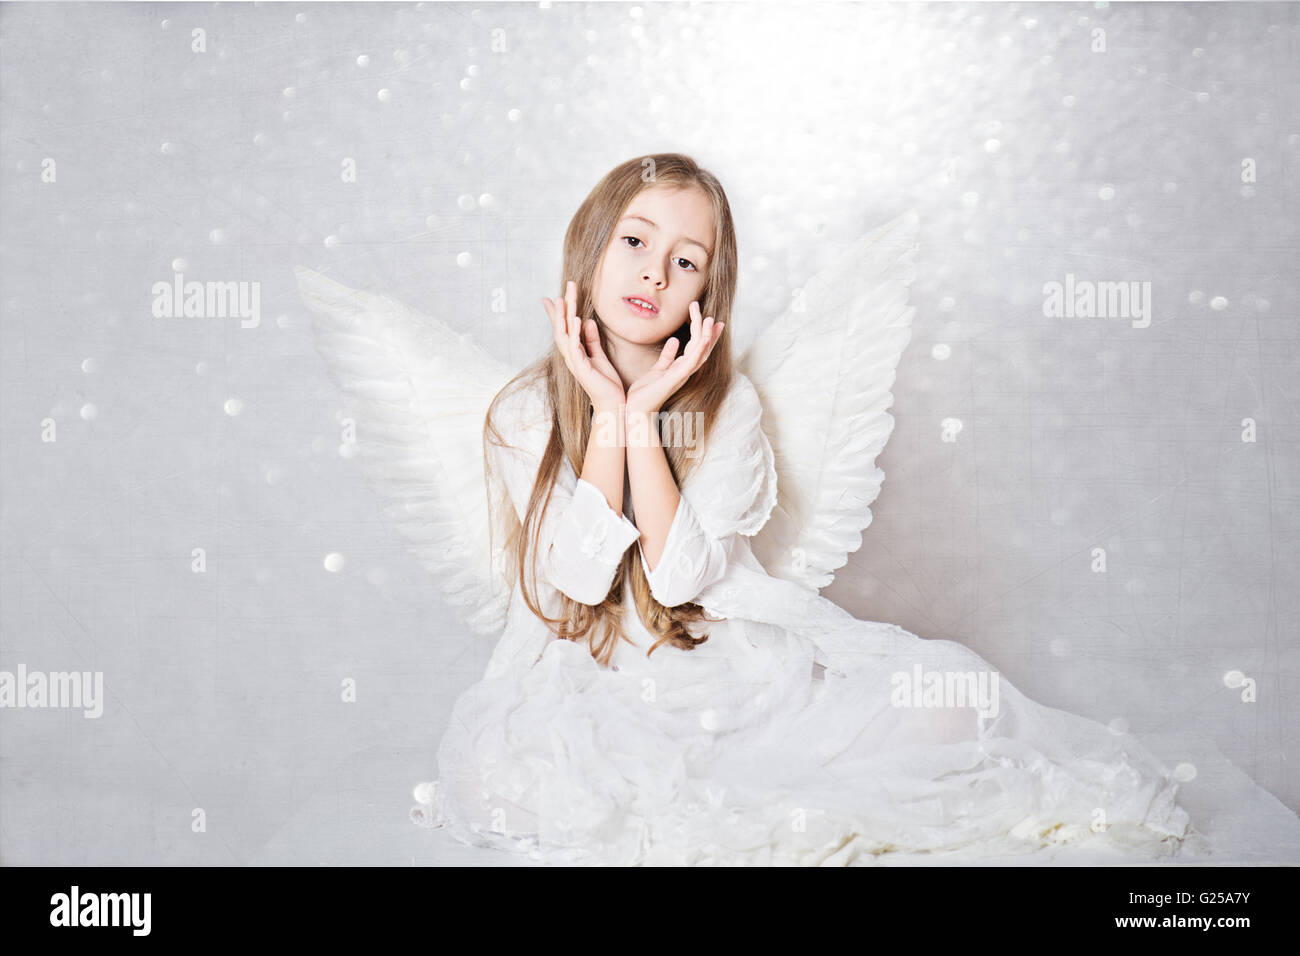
(644, 335)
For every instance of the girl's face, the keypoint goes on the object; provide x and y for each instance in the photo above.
(659, 253)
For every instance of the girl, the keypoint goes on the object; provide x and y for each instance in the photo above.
(657, 697)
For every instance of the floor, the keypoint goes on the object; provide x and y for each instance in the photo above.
(370, 825)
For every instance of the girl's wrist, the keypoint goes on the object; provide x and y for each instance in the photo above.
(608, 428)
(641, 428)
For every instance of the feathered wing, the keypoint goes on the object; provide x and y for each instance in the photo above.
(418, 392)
(824, 370)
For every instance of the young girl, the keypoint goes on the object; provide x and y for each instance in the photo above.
(656, 696)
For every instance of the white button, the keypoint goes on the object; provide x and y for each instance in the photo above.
(591, 544)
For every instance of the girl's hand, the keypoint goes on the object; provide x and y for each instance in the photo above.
(594, 371)
(651, 390)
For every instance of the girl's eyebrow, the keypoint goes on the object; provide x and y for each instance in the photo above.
(693, 242)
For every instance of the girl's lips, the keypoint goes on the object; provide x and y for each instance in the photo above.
(638, 310)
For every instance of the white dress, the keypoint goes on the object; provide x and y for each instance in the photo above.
(797, 734)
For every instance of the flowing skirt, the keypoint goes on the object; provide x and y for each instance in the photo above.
(744, 757)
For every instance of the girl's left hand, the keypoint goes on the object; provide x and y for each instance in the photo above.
(666, 376)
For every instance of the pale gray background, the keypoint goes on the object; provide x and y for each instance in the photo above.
(1027, 156)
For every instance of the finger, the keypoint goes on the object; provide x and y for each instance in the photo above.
(591, 341)
(598, 356)
(550, 314)
(666, 354)
(575, 328)
(560, 316)
(706, 335)
(557, 328)
(697, 331)
(571, 310)
(563, 342)
(571, 304)
(715, 338)
(557, 316)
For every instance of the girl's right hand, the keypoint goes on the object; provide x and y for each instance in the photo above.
(594, 371)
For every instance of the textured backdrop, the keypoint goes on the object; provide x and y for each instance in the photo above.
(1102, 505)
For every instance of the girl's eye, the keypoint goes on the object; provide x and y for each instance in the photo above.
(687, 261)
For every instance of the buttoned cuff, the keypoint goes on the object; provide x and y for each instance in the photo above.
(600, 533)
(588, 545)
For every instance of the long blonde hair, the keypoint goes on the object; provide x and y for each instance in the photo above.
(585, 242)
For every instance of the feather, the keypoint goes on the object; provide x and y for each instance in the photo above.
(824, 371)
(418, 393)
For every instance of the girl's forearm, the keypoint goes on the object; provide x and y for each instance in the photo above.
(654, 493)
(603, 464)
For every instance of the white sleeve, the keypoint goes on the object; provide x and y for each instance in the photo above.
(731, 492)
(581, 539)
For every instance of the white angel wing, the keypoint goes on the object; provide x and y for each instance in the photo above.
(418, 393)
(824, 371)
